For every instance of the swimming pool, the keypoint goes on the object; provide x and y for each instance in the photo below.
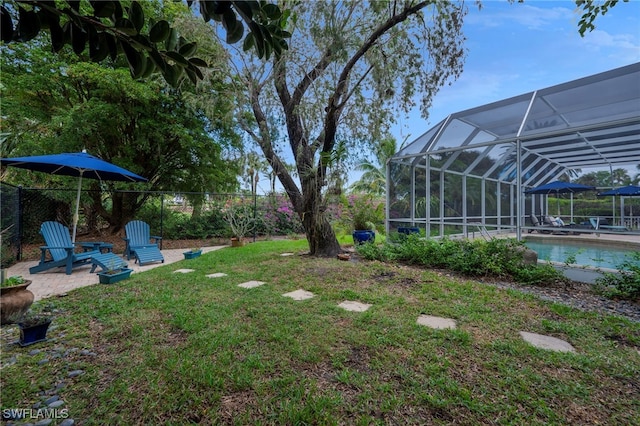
(596, 256)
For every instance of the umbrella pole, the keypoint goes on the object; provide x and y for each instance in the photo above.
(571, 204)
(75, 215)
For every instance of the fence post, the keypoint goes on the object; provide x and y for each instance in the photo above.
(161, 218)
(255, 210)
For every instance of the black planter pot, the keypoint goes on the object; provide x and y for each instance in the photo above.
(30, 334)
(409, 230)
(363, 236)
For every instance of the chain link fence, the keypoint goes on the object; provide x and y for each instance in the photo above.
(10, 224)
(169, 214)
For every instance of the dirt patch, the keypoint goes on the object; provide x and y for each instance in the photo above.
(235, 404)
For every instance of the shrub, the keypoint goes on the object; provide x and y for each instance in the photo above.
(364, 212)
(626, 284)
(277, 217)
(500, 258)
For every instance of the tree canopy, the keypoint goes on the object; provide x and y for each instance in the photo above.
(350, 68)
(113, 28)
(176, 139)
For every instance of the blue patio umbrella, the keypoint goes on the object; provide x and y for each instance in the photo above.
(557, 187)
(78, 164)
(623, 191)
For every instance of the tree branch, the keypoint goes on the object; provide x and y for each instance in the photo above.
(264, 140)
(339, 97)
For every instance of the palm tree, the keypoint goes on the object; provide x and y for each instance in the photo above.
(253, 166)
(374, 179)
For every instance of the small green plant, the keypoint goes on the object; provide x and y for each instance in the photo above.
(571, 259)
(370, 251)
(365, 213)
(622, 285)
(111, 268)
(13, 281)
(32, 319)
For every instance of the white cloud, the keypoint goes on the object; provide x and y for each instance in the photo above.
(494, 14)
(621, 46)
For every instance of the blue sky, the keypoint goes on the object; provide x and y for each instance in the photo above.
(517, 48)
(521, 47)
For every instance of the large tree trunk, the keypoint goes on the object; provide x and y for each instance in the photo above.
(124, 207)
(320, 235)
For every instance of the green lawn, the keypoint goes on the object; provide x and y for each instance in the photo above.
(183, 348)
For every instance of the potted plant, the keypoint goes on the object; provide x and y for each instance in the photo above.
(114, 274)
(193, 253)
(241, 221)
(33, 328)
(365, 214)
(15, 299)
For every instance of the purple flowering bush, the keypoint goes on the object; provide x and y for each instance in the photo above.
(278, 217)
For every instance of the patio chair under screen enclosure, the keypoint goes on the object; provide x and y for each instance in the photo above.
(475, 165)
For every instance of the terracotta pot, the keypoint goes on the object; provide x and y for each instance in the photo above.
(15, 302)
(237, 242)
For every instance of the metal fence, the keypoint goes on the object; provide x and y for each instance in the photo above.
(171, 215)
(10, 224)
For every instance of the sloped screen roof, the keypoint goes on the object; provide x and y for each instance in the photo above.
(589, 122)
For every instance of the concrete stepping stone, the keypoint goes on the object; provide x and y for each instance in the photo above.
(352, 306)
(299, 295)
(547, 342)
(217, 275)
(251, 284)
(183, 271)
(438, 323)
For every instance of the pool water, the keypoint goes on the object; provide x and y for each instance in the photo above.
(585, 255)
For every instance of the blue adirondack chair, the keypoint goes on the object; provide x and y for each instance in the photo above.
(138, 243)
(61, 249)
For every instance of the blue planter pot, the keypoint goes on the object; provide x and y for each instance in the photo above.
(409, 230)
(110, 278)
(30, 334)
(192, 254)
(361, 237)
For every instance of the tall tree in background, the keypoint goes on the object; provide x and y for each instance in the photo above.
(374, 177)
(53, 103)
(604, 179)
(349, 69)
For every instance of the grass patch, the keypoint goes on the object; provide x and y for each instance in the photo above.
(183, 348)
